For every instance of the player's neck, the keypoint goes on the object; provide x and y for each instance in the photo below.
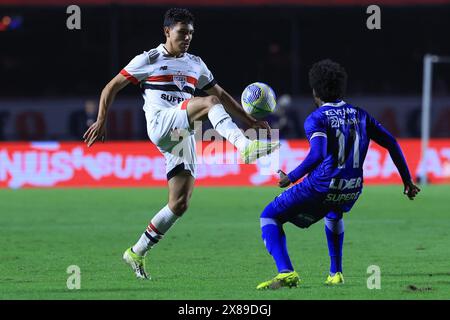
(172, 52)
(321, 103)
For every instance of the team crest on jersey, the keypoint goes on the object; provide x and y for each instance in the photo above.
(180, 81)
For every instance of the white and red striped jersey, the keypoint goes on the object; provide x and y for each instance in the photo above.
(166, 80)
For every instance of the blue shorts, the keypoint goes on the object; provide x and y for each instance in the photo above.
(301, 205)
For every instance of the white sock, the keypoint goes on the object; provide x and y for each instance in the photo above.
(225, 126)
(156, 229)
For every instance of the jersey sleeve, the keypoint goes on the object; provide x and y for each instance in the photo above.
(315, 126)
(137, 69)
(317, 153)
(206, 79)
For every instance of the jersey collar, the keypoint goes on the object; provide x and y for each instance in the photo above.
(161, 48)
(335, 104)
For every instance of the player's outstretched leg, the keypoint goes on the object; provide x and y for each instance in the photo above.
(199, 108)
(334, 230)
(275, 241)
(180, 191)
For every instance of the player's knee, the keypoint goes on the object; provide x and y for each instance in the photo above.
(179, 206)
(268, 212)
(211, 101)
(207, 104)
(332, 215)
(334, 223)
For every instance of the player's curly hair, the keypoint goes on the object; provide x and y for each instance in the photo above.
(174, 15)
(328, 79)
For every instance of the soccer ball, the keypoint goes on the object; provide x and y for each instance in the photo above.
(258, 99)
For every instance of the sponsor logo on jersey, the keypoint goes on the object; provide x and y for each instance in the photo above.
(343, 184)
(342, 197)
(172, 99)
(163, 68)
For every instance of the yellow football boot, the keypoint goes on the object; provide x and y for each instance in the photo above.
(338, 278)
(137, 263)
(257, 149)
(289, 279)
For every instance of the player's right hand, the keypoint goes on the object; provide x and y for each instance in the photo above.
(411, 190)
(260, 124)
(96, 132)
(284, 179)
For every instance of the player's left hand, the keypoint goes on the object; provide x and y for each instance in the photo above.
(411, 190)
(284, 180)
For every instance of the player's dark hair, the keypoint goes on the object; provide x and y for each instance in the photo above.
(328, 79)
(175, 15)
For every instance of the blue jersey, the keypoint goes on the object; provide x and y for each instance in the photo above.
(339, 134)
(340, 174)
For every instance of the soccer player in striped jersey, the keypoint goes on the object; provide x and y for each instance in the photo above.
(168, 76)
(339, 135)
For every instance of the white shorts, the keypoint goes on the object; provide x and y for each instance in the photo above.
(169, 130)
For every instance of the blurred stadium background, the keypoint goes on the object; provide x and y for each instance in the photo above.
(52, 78)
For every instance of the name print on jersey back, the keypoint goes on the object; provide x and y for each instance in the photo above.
(340, 175)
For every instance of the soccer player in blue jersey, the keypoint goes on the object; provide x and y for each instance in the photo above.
(339, 136)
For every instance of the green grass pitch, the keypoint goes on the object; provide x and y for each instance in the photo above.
(215, 251)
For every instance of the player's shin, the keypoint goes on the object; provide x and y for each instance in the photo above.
(225, 126)
(334, 230)
(275, 241)
(155, 231)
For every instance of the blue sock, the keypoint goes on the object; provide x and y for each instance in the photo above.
(334, 230)
(275, 240)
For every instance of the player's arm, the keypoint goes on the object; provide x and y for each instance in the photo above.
(317, 152)
(235, 109)
(382, 137)
(97, 131)
(315, 130)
